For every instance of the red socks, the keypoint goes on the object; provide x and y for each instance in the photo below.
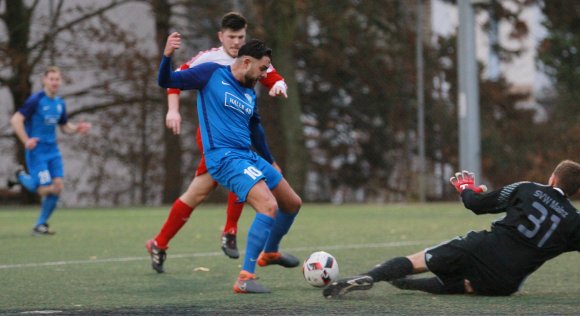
(234, 212)
(180, 212)
(178, 216)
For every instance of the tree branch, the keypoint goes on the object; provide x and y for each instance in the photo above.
(116, 103)
(7, 136)
(41, 45)
(32, 7)
(96, 108)
(56, 16)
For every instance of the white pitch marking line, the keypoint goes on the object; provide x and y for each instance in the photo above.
(208, 254)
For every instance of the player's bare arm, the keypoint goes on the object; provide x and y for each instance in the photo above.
(17, 122)
(81, 127)
(173, 117)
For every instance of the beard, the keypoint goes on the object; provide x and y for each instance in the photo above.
(249, 82)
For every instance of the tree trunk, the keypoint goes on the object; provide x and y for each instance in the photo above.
(17, 19)
(283, 13)
(172, 160)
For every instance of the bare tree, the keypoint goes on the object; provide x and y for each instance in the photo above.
(22, 52)
(109, 71)
(172, 157)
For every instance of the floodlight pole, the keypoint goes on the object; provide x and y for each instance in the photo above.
(468, 98)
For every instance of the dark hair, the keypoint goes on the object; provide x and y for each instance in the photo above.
(234, 21)
(568, 177)
(255, 48)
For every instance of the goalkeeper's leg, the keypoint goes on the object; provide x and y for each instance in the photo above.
(430, 285)
(392, 269)
(399, 267)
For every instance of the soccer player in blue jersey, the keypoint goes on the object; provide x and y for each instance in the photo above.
(226, 104)
(35, 125)
(232, 36)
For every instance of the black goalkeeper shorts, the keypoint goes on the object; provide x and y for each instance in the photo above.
(452, 262)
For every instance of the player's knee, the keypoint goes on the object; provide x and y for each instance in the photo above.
(49, 190)
(418, 262)
(291, 204)
(271, 207)
(192, 198)
(201, 186)
(57, 188)
(198, 197)
(295, 204)
(267, 207)
(43, 191)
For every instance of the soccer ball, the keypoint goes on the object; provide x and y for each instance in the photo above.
(320, 269)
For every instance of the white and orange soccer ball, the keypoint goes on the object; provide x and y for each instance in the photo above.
(320, 269)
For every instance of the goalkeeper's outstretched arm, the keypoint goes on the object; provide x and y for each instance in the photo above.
(482, 203)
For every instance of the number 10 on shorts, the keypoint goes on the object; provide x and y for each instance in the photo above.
(253, 172)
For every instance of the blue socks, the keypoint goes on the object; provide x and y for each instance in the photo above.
(257, 236)
(279, 229)
(48, 205)
(28, 182)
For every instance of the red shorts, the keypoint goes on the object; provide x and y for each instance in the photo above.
(201, 168)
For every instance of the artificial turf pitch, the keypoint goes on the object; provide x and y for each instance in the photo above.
(97, 264)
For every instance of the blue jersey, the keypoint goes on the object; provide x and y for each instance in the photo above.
(224, 106)
(42, 115)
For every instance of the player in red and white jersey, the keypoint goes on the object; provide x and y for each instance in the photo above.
(232, 36)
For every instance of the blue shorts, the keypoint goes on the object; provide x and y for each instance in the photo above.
(44, 163)
(239, 170)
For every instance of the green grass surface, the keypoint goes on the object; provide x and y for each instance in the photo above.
(97, 264)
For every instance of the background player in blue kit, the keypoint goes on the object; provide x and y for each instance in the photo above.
(35, 125)
(540, 223)
(226, 104)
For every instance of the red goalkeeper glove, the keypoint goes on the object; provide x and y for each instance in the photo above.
(466, 180)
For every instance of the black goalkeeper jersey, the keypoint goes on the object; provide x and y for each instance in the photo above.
(540, 223)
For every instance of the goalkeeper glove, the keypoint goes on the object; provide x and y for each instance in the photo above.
(466, 180)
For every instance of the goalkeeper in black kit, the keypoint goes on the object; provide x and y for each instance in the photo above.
(540, 223)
